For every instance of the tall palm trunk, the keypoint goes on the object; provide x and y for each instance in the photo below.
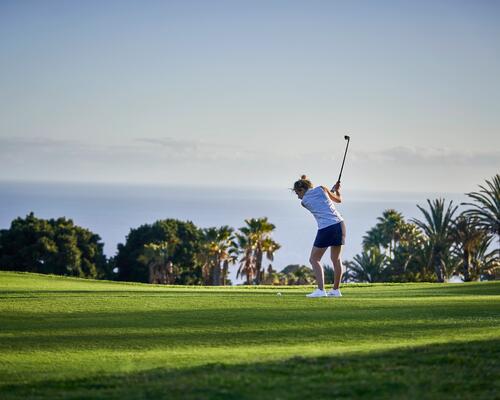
(258, 266)
(225, 268)
(249, 277)
(438, 266)
(216, 272)
(467, 264)
(407, 262)
(438, 269)
(152, 275)
(249, 266)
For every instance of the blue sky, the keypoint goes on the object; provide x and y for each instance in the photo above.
(251, 92)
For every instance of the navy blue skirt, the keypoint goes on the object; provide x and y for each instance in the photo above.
(330, 236)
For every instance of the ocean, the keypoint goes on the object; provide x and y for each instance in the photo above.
(111, 210)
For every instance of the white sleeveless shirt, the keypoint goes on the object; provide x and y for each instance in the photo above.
(321, 207)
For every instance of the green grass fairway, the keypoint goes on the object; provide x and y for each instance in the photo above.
(63, 338)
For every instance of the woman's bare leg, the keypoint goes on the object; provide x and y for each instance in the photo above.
(336, 251)
(314, 259)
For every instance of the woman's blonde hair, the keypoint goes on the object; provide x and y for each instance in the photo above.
(303, 183)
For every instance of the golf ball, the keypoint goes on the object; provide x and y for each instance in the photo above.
(278, 294)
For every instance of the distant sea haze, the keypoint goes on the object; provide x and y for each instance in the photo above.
(112, 210)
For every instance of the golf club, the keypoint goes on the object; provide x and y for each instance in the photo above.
(348, 138)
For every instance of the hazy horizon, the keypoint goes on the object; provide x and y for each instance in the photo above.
(357, 194)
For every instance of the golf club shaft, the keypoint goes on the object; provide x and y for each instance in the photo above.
(343, 161)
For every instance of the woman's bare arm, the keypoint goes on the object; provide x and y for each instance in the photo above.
(334, 194)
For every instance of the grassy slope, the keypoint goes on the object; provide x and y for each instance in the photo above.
(70, 338)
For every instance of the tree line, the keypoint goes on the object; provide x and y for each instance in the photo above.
(167, 251)
(440, 244)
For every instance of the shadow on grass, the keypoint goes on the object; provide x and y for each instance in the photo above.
(446, 371)
(274, 323)
(458, 289)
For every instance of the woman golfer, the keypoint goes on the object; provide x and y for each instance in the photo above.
(331, 230)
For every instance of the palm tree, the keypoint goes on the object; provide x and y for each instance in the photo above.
(208, 253)
(329, 273)
(272, 277)
(368, 266)
(268, 247)
(156, 258)
(247, 262)
(255, 240)
(295, 274)
(227, 253)
(397, 239)
(303, 276)
(437, 227)
(387, 232)
(216, 254)
(374, 238)
(230, 258)
(487, 206)
(405, 255)
(486, 261)
(467, 236)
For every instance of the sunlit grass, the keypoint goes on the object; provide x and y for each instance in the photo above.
(64, 337)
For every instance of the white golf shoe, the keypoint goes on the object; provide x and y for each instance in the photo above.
(334, 293)
(317, 293)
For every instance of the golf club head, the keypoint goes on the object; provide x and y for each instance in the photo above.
(347, 137)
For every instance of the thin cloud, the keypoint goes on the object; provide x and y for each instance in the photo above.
(38, 142)
(190, 150)
(164, 150)
(200, 150)
(403, 155)
(172, 144)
